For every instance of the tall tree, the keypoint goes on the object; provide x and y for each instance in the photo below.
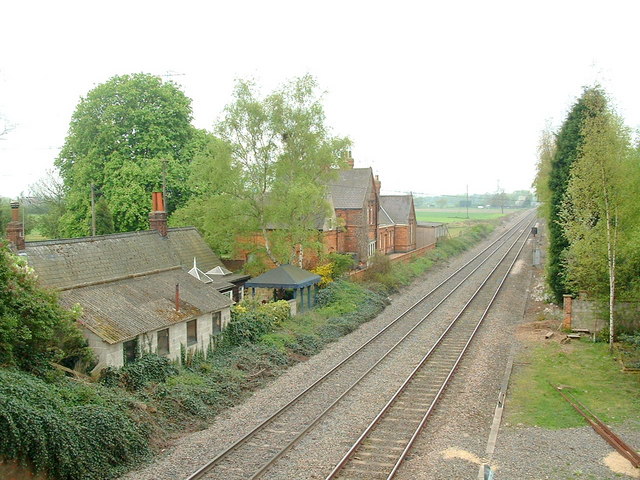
(48, 193)
(267, 171)
(546, 152)
(126, 136)
(568, 144)
(596, 193)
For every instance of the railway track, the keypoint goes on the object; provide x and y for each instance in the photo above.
(253, 454)
(381, 448)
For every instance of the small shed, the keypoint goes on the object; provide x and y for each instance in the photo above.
(288, 278)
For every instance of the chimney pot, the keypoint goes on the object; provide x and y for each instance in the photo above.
(177, 297)
(158, 217)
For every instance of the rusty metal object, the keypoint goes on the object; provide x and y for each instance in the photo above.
(605, 432)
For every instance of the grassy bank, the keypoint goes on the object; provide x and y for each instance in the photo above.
(141, 408)
(594, 375)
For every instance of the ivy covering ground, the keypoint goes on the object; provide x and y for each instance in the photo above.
(80, 430)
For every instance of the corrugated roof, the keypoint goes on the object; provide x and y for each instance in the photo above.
(121, 310)
(351, 187)
(285, 276)
(397, 207)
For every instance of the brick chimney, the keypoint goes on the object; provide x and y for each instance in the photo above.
(15, 230)
(349, 159)
(378, 184)
(158, 216)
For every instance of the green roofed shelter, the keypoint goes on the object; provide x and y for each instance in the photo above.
(288, 277)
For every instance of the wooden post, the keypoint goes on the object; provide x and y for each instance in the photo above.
(567, 301)
(93, 211)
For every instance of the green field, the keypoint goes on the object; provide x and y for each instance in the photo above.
(453, 215)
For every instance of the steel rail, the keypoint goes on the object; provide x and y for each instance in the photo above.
(603, 430)
(321, 415)
(346, 458)
(212, 463)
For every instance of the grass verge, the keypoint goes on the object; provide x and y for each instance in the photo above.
(588, 368)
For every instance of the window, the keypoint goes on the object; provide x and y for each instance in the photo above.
(130, 351)
(217, 323)
(163, 342)
(192, 332)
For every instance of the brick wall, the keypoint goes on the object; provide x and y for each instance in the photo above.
(404, 241)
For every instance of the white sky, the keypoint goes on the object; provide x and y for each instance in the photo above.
(434, 95)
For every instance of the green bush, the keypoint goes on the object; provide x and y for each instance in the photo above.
(134, 376)
(341, 264)
(34, 328)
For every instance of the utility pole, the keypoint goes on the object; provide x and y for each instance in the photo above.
(467, 200)
(93, 211)
(164, 182)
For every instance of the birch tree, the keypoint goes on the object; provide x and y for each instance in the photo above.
(266, 172)
(596, 194)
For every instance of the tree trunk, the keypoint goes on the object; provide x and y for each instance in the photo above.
(300, 255)
(267, 247)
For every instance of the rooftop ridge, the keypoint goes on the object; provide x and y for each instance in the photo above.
(117, 279)
(96, 238)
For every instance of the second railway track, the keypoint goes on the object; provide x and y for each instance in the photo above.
(253, 454)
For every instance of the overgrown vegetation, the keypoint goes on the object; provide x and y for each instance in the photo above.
(74, 429)
(34, 329)
(68, 429)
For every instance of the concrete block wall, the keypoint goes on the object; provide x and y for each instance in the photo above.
(594, 316)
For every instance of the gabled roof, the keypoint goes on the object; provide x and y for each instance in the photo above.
(285, 276)
(126, 282)
(351, 187)
(398, 208)
(384, 218)
(68, 263)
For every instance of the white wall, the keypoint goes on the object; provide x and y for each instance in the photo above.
(110, 355)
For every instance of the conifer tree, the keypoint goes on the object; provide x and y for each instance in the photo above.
(568, 145)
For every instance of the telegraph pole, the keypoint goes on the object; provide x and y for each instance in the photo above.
(93, 211)
(467, 200)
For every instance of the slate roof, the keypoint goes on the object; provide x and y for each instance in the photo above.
(383, 217)
(122, 310)
(126, 282)
(69, 263)
(285, 276)
(187, 244)
(397, 207)
(350, 189)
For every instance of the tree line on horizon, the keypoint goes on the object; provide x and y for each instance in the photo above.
(588, 176)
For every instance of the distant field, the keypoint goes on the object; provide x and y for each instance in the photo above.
(453, 215)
